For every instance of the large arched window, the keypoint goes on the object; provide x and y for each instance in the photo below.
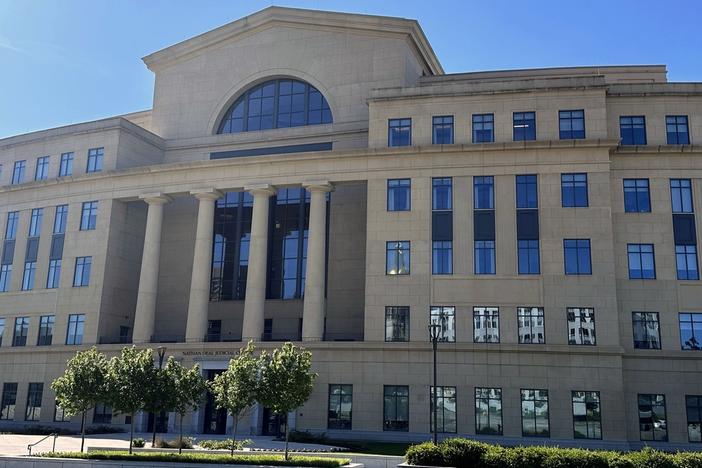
(276, 104)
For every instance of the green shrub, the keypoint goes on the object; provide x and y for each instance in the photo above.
(273, 460)
(138, 442)
(463, 452)
(104, 429)
(228, 444)
(426, 454)
(187, 443)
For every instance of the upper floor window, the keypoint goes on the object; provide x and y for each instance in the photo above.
(574, 190)
(19, 338)
(60, 219)
(76, 324)
(647, 333)
(81, 276)
(581, 326)
(397, 323)
(632, 129)
(445, 317)
(276, 104)
(2, 329)
(691, 331)
(42, 169)
(530, 325)
(681, 195)
(571, 124)
(397, 254)
(486, 325)
(642, 264)
(11, 227)
(483, 192)
(399, 132)
(18, 172)
(441, 188)
(576, 253)
(527, 191)
(95, 156)
(442, 130)
(399, 191)
(483, 128)
(88, 216)
(637, 198)
(35, 222)
(524, 126)
(676, 130)
(66, 166)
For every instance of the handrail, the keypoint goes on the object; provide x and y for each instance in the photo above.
(53, 448)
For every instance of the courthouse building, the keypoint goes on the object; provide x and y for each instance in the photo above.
(317, 177)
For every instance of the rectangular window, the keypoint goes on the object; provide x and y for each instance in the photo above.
(581, 326)
(66, 166)
(653, 423)
(396, 408)
(587, 418)
(642, 264)
(441, 193)
(535, 420)
(486, 325)
(484, 193)
(18, 172)
(30, 269)
(46, 330)
(35, 222)
(442, 130)
(76, 324)
(34, 394)
(686, 262)
(19, 338)
(527, 191)
(647, 333)
(574, 190)
(691, 331)
(676, 130)
(397, 258)
(483, 128)
(399, 194)
(400, 132)
(5, 277)
(339, 415)
(12, 223)
(60, 219)
(88, 216)
(95, 156)
(2, 329)
(530, 325)
(81, 276)
(681, 195)
(445, 409)
(214, 331)
(693, 407)
(445, 317)
(59, 414)
(488, 411)
(397, 323)
(632, 129)
(528, 255)
(442, 258)
(484, 257)
(524, 126)
(41, 172)
(9, 399)
(637, 198)
(576, 253)
(54, 276)
(571, 124)
(102, 414)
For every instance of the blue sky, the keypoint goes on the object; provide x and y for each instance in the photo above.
(67, 61)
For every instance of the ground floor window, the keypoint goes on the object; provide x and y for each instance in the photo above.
(693, 405)
(9, 399)
(59, 414)
(530, 325)
(396, 408)
(33, 411)
(486, 325)
(535, 420)
(488, 411)
(587, 420)
(445, 409)
(653, 423)
(397, 323)
(340, 405)
(103, 414)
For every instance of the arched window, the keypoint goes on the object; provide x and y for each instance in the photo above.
(276, 104)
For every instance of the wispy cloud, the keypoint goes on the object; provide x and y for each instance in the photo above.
(5, 44)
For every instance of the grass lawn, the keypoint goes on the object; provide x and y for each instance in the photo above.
(374, 448)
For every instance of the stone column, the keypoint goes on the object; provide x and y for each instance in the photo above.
(148, 278)
(252, 328)
(314, 305)
(202, 266)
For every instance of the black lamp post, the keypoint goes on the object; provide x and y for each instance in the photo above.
(161, 350)
(434, 335)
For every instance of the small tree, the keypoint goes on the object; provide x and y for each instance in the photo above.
(235, 388)
(129, 378)
(159, 396)
(188, 387)
(82, 386)
(285, 381)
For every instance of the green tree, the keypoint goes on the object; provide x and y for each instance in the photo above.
(129, 378)
(285, 381)
(235, 388)
(188, 387)
(159, 396)
(82, 386)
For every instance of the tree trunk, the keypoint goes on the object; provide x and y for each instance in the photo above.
(236, 423)
(180, 444)
(131, 433)
(82, 431)
(287, 433)
(153, 436)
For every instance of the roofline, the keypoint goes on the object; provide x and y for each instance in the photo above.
(274, 14)
(558, 71)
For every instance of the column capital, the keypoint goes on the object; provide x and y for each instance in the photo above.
(265, 190)
(155, 198)
(206, 193)
(318, 186)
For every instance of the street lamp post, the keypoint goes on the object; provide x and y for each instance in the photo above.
(161, 350)
(434, 334)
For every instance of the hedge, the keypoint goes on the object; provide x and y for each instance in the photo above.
(271, 460)
(464, 453)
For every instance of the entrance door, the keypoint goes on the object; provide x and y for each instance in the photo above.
(161, 422)
(273, 424)
(215, 419)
